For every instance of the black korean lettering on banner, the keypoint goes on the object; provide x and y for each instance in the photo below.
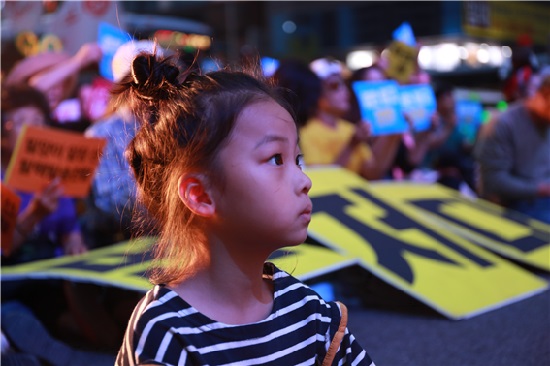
(91, 266)
(50, 172)
(398, 220)
(389, 250)
(526, 244)
(76, 153)
(44, 148)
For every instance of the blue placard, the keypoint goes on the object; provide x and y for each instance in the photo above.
(109, 38)
(469, 115)
(405, 34)
(380, 105)
(418, 102)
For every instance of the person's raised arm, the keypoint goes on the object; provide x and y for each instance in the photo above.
(87, 55)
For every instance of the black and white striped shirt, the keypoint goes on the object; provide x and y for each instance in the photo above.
(164, 329)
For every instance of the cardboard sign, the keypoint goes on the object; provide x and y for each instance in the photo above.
(508, 233)
(418, 102)
(402, 61)
(399, 244)
(41, 154)
(124, 264)
(380, 104)
(424, 239)
(10, 209)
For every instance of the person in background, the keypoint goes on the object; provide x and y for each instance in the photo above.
(329, 139)
(109, 206)
(47, 225)
(514, 155)
(218, 166)
(57, 75)
(304, 85)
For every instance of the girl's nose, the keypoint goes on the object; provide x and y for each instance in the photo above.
(305, 183)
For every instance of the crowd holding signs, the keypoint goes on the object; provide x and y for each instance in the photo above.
(384, 104)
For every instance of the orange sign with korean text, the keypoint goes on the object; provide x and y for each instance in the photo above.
(10, 208)
(41, 154)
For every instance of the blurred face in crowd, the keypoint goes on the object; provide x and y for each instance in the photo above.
(374, 74)
(14, 120)
(335, 96)
(446, 103)
(539, 103)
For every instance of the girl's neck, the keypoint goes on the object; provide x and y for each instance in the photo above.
(229, 289)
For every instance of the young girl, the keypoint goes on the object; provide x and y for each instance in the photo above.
(218, 167)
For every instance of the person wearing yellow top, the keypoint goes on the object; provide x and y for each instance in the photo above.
(323, 144)
(329, 139)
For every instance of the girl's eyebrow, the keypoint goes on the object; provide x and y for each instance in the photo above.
(271, 138)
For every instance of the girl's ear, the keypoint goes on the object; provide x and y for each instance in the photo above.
(193, 192)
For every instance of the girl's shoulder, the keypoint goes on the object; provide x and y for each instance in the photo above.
(290, 291)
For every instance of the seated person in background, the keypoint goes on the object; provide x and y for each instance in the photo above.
(304, 85)
(443, 147)
(514, 156)
(47, 225)
(107, 218)
(57, 75)
(328, 139)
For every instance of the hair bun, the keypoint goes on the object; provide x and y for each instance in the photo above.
(150, 76)
(142, 68)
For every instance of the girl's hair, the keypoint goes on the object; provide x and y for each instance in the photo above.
(185, 121)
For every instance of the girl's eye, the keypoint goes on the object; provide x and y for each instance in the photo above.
(277, 159)
(300, 161)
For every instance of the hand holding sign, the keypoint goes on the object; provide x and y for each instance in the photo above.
(379, 103)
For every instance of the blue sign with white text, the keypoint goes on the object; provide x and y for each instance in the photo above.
(380, 105)
(419, 104)
(469, 114)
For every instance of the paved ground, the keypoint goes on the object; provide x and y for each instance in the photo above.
(398, 330)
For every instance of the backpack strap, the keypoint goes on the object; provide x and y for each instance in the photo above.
(335, 344)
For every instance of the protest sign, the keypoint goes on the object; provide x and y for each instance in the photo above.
(418, 102)
(380, 104)
(10, 208)
(402, 61)
(43, 153)
(469, 114)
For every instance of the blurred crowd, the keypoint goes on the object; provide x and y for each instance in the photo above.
(507, 162)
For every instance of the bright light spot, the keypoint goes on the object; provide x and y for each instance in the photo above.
(463, 53)
(447, 57)
(506, 51)
(289, 27)
(495, 55)
(483, 55)
(425, 57)
(359, 59)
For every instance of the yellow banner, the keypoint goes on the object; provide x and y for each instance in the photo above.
(408, 248)
(506, 20)
(423, 239)
(124, 264)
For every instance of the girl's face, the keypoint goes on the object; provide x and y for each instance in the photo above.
(263, 199)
